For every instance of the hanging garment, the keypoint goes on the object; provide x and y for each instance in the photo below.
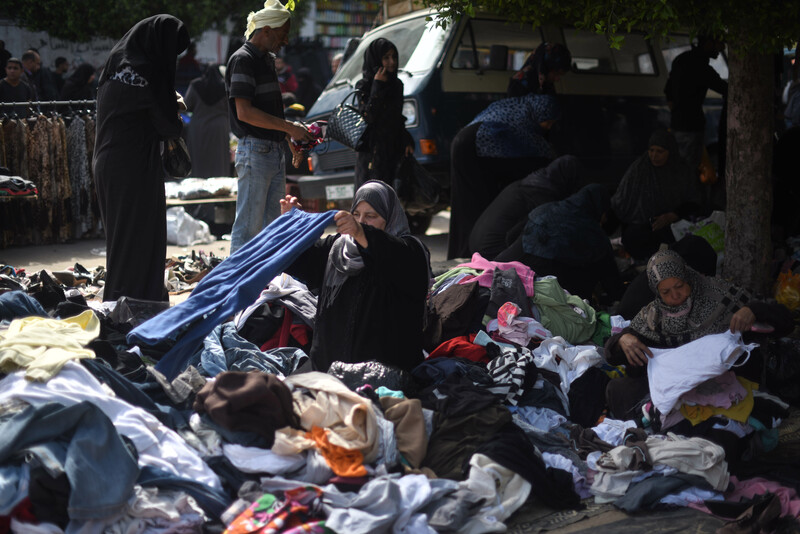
(80, 180)
(60, 169)
(15, 142)
(232, 286)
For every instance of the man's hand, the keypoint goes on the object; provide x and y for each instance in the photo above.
(635, 351)
(743, 320)
(298, 132)
(409, 150)
(288, 203)
(346, 224)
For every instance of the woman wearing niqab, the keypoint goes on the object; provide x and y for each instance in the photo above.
(208, 134)
(137, 109)
(79, 85)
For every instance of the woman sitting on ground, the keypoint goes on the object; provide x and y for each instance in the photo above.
(566, 239)
(502, 222)
(657, 190)
(687, 306)
(373, 278)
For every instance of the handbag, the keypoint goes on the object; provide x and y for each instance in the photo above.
(347, 124)
(176, 158)
(417, 189)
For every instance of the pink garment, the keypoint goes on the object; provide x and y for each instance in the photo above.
(790, 502)
(507, 313)
(485, 279)
(722, 391)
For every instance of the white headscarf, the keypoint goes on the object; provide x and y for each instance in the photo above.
(274, 15)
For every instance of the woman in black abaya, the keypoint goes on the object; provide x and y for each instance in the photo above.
(136, 110)
(385, 140)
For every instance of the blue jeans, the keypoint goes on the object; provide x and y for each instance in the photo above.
(225, 350)
(100, 468)
(261, 169)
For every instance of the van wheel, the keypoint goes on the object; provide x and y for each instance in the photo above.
(419, 223)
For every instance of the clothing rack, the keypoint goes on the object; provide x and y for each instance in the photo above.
(50, 103)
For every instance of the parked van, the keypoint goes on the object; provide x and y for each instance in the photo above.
(611, 101)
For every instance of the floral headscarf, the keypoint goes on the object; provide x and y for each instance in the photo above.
(708, 309)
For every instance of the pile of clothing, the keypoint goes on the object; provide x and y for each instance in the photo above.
(205, 417)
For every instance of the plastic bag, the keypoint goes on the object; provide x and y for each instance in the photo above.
(175, 157)
(787, 290)
(374, 373)
(418, 190)
(184, 230)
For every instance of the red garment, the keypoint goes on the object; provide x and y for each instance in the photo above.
(461, 347)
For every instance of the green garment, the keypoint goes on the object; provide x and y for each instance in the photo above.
(603, 329)
(442, 278)
(558, 314)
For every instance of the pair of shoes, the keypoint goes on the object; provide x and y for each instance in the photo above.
(759, 517)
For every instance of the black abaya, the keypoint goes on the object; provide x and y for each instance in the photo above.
(136, 109)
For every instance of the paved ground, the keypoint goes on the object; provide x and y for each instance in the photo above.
(91, 253)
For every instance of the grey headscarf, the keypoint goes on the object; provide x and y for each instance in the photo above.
(708, 309)
(344, 259)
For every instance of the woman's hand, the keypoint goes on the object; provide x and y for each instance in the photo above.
(635, 351)
(288, 203)
(410, 150)
(297, 155)
(663, 220)
(743, 320)
(381, 75)
(346, 224)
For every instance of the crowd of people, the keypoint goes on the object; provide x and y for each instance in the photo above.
(305, 359)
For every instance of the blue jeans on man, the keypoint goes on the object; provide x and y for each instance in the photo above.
(261, 168)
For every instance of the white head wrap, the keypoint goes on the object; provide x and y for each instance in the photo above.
(274, 15)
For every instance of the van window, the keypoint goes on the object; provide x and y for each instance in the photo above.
(520, 39)
(419, 44)
(678, 44)
(591, 53)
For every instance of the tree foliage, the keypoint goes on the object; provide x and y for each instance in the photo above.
(759, 27)
(81, 21)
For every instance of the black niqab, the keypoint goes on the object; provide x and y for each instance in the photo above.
(77, 85)
(151, 48)
(211, 86)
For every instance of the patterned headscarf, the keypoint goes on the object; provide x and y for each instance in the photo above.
(708, 309)
(510, 128)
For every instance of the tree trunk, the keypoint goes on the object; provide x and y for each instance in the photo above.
(748, 246)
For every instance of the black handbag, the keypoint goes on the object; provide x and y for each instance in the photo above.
(176, 158)
(417, 189)
(347, 124)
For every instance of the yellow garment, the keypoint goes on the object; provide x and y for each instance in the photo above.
(274, 15)
(738, 412)
(343, 462)
(43, 345)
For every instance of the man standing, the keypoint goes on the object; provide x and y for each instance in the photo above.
(256, 110)
(14, 89)
(39, 77)
(62, 66)
(689, 80)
